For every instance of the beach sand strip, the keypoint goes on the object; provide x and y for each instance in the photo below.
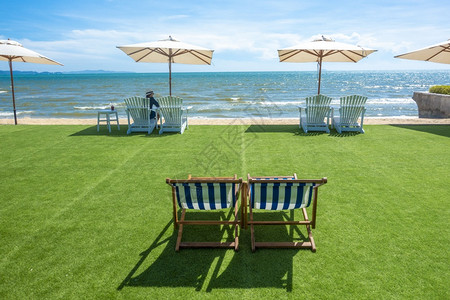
(229, 121)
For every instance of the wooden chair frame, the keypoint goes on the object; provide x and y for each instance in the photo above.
(181, 222)
(174, 114)
(317, 110)
(350, 110)
(138, 115)
(306, 222)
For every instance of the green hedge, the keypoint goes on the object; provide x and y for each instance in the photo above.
(440, 89)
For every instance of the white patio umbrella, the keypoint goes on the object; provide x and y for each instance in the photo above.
(323, 50)
(168, 51)
(14, 51)
(439, 53)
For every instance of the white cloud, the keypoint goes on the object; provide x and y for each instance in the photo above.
(247, 33)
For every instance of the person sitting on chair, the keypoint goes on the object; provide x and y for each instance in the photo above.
(149, 95)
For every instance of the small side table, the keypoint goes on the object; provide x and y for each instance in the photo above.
(108, 119)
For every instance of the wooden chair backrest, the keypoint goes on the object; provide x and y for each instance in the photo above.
(351, 108)
(138, 108)
(317, 108)
(171, 109)
(203, 193)
(282, 192)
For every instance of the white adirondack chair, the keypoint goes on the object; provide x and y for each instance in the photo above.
(316, 111)
(138, 109)
(351, 109)
(174, 114)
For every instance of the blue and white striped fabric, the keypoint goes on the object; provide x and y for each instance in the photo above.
(281, 196)
(205, 196)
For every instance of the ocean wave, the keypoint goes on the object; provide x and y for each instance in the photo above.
(390, 101)
(280, 103)
(91, 107)
(218, 109)
(98, 107)
(395, 117)
(10, 114)
(222, 94)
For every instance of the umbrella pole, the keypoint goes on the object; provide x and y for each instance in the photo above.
(12, 90)
(170, 77)
(170, 72)
(320, 74)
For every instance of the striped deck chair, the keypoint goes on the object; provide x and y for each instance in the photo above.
(316, 111)
(174, 114)
(206, 193)
(351, 109)
(282, 193)
(138, 109)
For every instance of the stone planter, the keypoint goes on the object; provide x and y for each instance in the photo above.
(432, 105)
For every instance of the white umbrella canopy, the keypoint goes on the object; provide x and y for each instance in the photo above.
(14, 51)
(168, 51)
(323, 50)
(439, 53)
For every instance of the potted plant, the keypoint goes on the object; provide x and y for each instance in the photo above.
(435, 103)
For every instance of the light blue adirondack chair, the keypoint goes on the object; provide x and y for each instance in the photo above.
(350, 110)
(174, 114)
(282, 193)
(206, 194)
(317, 110)
(138, 114)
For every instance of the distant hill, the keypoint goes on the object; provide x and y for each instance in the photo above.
(19, 72)
(72, 72)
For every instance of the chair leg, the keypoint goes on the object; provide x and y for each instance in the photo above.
(236, 225)
(308, 228)
(252, 230)
(311, 239)
(242, 215)
(108, 120)
(180, 231)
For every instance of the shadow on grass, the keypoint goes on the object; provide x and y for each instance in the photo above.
(208, 269)
(92, 131)
(272, 128)
(442, 130)
(332, 133)
(296, 131)
(344, 134)
(311, 133)
(265, 268)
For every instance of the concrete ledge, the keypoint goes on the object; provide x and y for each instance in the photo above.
(432, 105)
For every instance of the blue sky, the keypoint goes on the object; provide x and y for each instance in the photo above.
(245, 34)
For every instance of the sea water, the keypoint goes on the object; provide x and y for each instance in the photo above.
(214, 95)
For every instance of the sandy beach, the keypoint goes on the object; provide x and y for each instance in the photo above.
(237, 121)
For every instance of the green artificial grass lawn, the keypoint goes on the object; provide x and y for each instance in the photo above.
(89, 215)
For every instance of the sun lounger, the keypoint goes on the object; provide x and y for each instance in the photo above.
(206, 193)
(282, 193)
